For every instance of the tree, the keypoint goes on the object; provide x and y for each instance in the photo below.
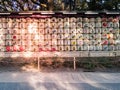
(112, 4)
(23, 5)
(56, 5)
(95, 5)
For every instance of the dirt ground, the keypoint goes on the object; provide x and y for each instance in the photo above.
(32, 68)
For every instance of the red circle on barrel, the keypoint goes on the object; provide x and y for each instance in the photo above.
(53, 49)
(105, 24)
(8, 48)
(40, 49)
(14, 37)
(105, 42)
(21, 48)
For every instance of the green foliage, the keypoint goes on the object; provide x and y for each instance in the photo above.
(89, 66)
(58, 5)
(86, 64)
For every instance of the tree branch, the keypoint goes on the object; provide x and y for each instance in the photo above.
(20, 4)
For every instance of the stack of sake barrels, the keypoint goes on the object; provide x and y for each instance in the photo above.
(93, 34)
(59, 34)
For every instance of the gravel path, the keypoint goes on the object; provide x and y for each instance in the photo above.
(59, 81)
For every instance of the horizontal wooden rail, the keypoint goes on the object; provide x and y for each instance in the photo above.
(62, 54)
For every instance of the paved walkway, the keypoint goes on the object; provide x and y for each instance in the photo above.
(59, 81)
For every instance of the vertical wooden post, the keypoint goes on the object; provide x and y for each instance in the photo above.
(74, 63)
(38, 64)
